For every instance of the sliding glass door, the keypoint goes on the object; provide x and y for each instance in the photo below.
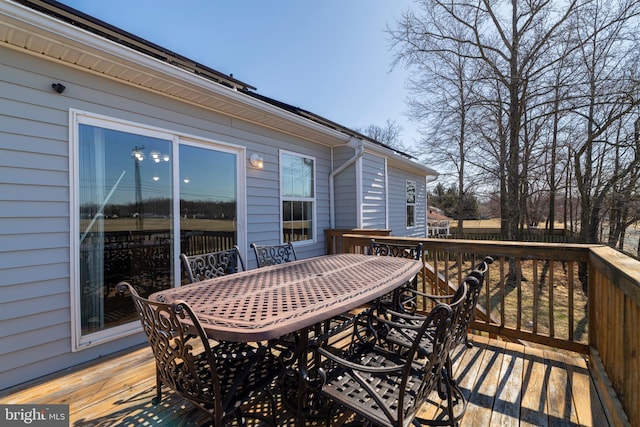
(142, 196)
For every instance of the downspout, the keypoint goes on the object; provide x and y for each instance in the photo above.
(358, 146)
(426, 198)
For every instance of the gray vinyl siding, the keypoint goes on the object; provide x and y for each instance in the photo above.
(374, 198)
(35, 312)
(345, 194)
(263, 193)
(398, 205)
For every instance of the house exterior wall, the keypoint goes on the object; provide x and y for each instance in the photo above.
(35, 238)
(107, 81)
(397, 204)
(374, 192)
(345, 193)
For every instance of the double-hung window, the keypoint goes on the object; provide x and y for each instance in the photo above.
(297, 191)
(411, 203)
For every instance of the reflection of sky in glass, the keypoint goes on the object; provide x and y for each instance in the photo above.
(297, 176)
(115, 151)
(207, 175)
(107, 156)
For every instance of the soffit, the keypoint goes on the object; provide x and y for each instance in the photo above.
(30, 31)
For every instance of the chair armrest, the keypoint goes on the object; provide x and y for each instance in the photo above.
(431, 296)
(342, 362)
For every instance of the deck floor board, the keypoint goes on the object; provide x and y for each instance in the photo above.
(505, 383)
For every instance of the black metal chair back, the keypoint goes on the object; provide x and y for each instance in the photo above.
(274, 254)
(215, 378)
(403, 298)
(213, 264)
(410, 251)
(474, 280)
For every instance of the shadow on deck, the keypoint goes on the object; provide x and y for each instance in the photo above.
(507, 384)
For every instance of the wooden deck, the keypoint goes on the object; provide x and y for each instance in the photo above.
(507, 384)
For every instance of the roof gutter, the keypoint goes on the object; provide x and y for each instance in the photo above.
(358, 145)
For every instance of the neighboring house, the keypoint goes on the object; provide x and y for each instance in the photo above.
(438, 224)
(116, 155)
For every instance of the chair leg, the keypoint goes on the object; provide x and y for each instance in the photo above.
(158, 396)
(456, 402)
(455, 398)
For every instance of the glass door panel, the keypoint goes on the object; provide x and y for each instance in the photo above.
(208, 200)
(125, 211)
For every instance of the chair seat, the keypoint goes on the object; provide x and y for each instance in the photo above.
(385, 386)
(343, 386)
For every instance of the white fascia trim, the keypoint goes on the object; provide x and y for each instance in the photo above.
(395, 159)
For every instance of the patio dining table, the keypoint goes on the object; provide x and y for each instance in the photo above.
(270, 302)
(291, 299)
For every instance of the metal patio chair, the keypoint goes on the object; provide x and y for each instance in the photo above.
(213, 264)
(463, 302)
(274, 254)
(218, 379)
(385, 387)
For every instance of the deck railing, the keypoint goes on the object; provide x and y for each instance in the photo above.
(533, 293)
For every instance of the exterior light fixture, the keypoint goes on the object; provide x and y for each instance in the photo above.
(256, 161)
(58, 87)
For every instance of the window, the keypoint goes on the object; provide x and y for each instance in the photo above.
(141, 196)
(411, 203)
(297, 190)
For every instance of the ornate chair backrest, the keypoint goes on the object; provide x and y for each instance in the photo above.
(213, 264)
(274, 254)
(401, 300)
(474, 282)
(466, 309)
(395, 250)
(429, 359)
(481, 269)
(184, 360)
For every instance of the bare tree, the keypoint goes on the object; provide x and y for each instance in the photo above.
(511, 41)
(389, 134)
(442, 91)
(609, 94)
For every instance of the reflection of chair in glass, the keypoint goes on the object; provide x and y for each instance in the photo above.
(219, 380)
(213, 264)
(388, 387)
(273, 254)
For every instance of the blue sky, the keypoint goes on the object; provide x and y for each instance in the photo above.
(331, 57)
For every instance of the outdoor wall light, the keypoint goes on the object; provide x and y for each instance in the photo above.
(256, 161)
(58, 87)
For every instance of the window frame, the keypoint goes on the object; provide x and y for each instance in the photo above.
(410, 204)
(283, 198)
